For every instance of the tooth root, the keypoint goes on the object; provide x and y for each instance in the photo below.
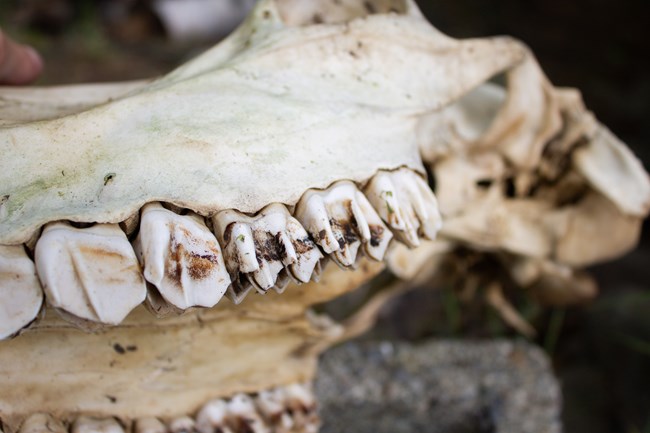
(149, 425)
(181, 258)
(21, 295)
(183, 424)
(94, 425)
(405, 202)
(243, 415)
(42, 423)
(212, 417)
(91, 273)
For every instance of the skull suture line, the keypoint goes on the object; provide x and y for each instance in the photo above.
(296, 141)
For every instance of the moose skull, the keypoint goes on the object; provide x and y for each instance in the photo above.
(128, 211)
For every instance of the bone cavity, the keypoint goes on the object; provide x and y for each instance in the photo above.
(264, 245)
(406, 203)
(181, 257)
(21, 296)
(90, 273)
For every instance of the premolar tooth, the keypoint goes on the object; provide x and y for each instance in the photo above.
(212, 417)
(405, 202)
(183, 424)
(42, 423)
(149, 425)
(272, 406)
(90, 273)
(21, 295)
(277, 242)
(181, 258)
(341, 220)
(93, 425)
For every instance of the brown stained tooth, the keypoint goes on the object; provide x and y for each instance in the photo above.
(243, 415)
(181, 258)
(212, 417)
(406, 203)
(300, 401)
(21, 295)
(261, 247)
(341, 220)
(42, 423)
(94, 425)
(272, 406)
(91, 274)
(149, 425)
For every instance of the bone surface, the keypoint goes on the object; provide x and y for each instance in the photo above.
(90, 273)
(21, 295)
(181, 258)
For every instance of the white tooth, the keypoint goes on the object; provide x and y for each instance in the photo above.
(212, 417)
(307, 253)
(313, 215)
(149, 425)
(21, 295)
(93, 425)
(405, 202)
(42, 423)
(243, 414)
(183, 424)
(300, 400)
(181, 257)
(379, 235)
(285, 242)
(90, 273)
(273, 408)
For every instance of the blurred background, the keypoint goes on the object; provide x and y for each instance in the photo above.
(601, 349)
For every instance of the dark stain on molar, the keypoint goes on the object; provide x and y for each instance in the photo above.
(376, 232)
(199, 266)
(344, 232)
(303, 246)
(269, 247)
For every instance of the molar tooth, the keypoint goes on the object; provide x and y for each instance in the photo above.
(212, 417)
(239, 289)
(272, 406)
(90, 273)
(307, 253)
(299, 399)
(243, 415)
(379, 236)
(406, 204)
(42, 423)
(313, 215)
(94, 425)
(21, 295)
(149, 425)
(181, 258)
(282, 282)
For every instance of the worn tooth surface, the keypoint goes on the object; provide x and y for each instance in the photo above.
(181, 258)
(282, 282)
(95, 425)
(149, 425)
(183, 424)
(42, 423)
(90, 273)
(21, 295)
(239, 289)
(212, 417)
(405, 202)
(272, 239)
(243, 415)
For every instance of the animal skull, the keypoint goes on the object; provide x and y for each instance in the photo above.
(298, 140)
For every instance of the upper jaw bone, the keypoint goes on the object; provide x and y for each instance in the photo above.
(263, 245)
(181, 257)
(341, 220)
(21, 296)
(406, 203)
(90, 273)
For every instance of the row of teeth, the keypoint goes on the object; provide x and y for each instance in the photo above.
(281, 410)
(94, 275)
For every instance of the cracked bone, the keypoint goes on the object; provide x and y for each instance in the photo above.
(341, 220)
(94, 425)
(181, 258)
(407, 205)
(91, 274)
(42, 423)
(21, 295)
(264, 245)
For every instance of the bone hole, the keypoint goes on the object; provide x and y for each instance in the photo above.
(296, 13)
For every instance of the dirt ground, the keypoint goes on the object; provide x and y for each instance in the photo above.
(601, 351)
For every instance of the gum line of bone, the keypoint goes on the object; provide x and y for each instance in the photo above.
(285, 409)
(95, 275)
